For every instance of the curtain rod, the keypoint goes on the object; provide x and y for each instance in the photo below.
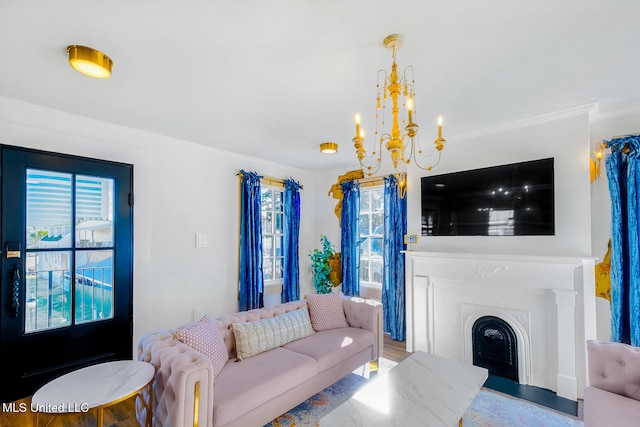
(373, 180)
(271, 180)
(630, 134)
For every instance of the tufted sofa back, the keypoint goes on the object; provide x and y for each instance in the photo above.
(614, 367)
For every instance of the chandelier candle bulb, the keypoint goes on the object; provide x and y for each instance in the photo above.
(357, 120)
(439, 127)
(410, 109)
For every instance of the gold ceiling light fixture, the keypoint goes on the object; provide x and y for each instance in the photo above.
(401, 141)
(329, 148)
(90, 61)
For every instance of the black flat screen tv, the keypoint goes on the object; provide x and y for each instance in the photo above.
(508, 200)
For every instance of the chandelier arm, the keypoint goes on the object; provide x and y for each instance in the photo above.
(428, 168)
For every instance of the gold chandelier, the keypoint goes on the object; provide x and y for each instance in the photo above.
(398, 141)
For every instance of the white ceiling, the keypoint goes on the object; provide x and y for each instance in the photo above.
(274, 79)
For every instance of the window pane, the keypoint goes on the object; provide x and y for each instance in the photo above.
(48, 297)
(376, 246)
(279, 248)
(267, 223)
(94, 212)
(48, 209)
(364, 270)
(267, 246)
(377, 224)
(279, 223)
(364, 225)
(277, 270)
(365, 250)
(365, 204)
(94, 285)
(267, 200)
(376, 270)
(267, 268)
(377, 200)
(279, 206)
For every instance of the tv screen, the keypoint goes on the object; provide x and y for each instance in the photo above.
(507, 200)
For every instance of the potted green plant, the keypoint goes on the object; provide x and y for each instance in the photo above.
(327, 271)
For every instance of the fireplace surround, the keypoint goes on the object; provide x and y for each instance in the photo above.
(547, 302)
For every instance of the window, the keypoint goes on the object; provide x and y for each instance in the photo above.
(371, 235)
(272, 207)
(49, 252)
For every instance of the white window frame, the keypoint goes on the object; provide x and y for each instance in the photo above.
(368, 189)
(273, 286)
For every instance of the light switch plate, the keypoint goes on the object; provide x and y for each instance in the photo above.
(410, 239)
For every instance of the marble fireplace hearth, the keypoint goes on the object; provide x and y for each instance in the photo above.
(549, 302)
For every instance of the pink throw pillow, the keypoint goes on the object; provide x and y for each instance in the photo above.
(204, 337)
(326, 311)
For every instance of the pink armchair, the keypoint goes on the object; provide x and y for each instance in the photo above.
(613, 395)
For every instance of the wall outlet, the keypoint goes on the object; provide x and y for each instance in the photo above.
(201, 240)
(410, 239)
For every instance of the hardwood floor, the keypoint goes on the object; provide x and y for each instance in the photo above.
(394, 350)
(123, 414)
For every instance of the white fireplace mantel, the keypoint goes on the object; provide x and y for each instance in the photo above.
(548, 301)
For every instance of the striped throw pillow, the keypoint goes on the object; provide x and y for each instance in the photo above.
(261, 335)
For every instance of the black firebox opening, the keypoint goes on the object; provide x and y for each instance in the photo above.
(495, 347)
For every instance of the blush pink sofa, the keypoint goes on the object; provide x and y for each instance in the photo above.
(613, 395)
(260, 388)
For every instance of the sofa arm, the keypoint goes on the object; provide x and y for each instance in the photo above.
(183, 382)
(366, 314)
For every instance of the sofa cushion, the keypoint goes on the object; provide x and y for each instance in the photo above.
(603, 408)
(614, 367)
(326, 311)
(256, 337)
(332, 346)
(254, 381)
(204, 337)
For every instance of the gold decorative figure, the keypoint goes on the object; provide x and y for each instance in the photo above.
(336, 189)
(603, 281)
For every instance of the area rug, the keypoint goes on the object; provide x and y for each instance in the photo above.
(310, 411)
(492, 409)
(488, 409)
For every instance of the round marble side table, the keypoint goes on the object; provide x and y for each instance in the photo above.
(96, 387)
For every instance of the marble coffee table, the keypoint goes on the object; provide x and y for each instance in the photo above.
(96, 387)
(422, 390)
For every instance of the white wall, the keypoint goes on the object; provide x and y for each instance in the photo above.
(180, 189)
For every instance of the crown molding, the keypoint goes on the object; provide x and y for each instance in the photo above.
(591, 109)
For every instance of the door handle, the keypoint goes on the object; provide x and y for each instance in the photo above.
(15, 291)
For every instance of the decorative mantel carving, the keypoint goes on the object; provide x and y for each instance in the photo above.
(484, 271)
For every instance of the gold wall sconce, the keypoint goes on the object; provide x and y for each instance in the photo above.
(596, 160)
(90, 61)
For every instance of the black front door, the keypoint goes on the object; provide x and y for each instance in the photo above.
(67, 266)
